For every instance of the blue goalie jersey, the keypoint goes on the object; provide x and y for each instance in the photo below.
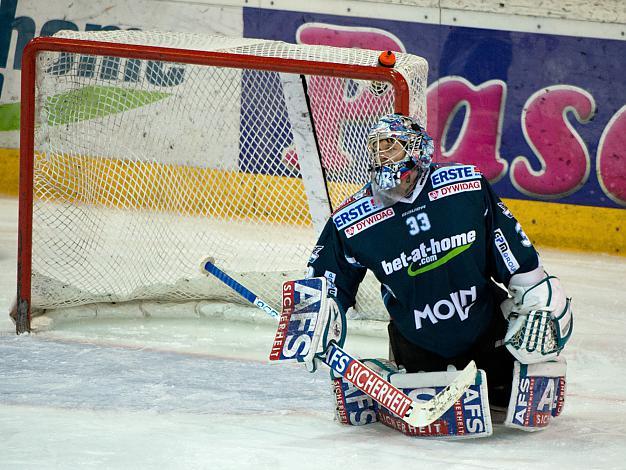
(433, 252)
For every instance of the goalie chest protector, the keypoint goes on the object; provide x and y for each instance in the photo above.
(433, 254)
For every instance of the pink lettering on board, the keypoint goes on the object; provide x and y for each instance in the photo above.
(479, 140)
(611, 158)
(361, 107)
(348, 36)
(561, 152)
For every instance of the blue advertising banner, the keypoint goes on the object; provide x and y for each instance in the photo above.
(543, 116)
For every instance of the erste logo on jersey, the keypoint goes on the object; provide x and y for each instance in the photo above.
(368, 222)
(454, 189)
(453, 174)
(355, 211)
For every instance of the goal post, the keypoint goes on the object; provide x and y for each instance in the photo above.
(141, 153)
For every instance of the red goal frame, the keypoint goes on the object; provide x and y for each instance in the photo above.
(22, 313)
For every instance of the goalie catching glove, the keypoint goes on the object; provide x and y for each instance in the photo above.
(539, 315)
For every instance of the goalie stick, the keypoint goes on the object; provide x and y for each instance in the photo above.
(208, 267)
(416, 413)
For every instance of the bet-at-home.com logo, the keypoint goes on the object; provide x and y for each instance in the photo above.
(427, 255)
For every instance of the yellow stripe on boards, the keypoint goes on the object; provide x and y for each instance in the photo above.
(573, 227)
(188, 191)
(275, 199)
(9, 171)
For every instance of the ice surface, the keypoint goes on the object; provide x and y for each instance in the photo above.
(197, 392)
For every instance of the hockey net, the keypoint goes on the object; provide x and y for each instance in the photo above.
(141, 164)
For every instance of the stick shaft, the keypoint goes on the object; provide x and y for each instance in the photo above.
(242, 290)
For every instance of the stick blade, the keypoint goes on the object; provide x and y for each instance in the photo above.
(423, 414)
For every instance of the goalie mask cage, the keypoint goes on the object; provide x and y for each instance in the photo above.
(143, 153)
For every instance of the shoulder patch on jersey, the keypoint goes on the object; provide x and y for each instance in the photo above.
(365, 191)
(452, 174)
(502, 244)
(505, 210)
(315, 253)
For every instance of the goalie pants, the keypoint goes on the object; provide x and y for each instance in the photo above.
(488, 352)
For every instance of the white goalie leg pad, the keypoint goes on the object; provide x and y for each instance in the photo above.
(353, 406)
(309, 321)
(537, 394)
(469, 417)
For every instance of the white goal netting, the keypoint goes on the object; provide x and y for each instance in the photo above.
(143, 167)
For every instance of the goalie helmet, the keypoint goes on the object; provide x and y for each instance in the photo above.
(399, 147)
